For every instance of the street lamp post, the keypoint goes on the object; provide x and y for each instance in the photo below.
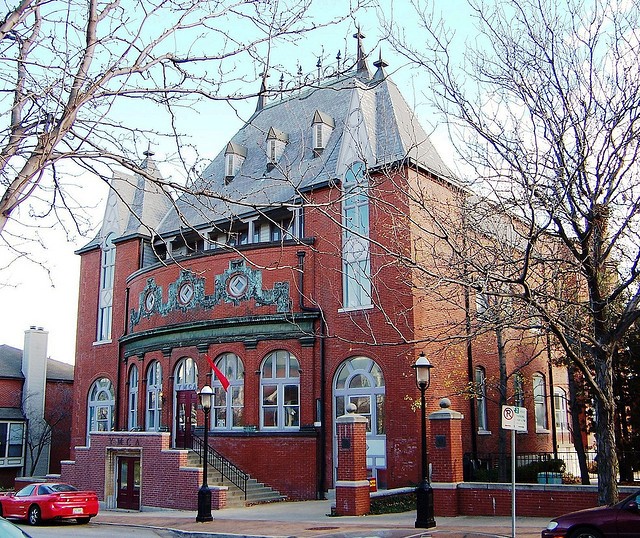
(204, 493)
(424, 491)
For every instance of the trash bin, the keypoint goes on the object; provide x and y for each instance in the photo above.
(549, 478)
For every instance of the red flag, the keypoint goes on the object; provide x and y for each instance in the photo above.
(221, 377)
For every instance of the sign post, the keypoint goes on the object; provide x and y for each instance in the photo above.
(514, 419)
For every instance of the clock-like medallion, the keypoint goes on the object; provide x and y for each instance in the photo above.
(150, 301)
(237, 285)
(185, 293)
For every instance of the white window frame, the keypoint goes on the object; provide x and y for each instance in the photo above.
(134, 382)
(482, 422)
(107, 274)
(356, 266)
(228, 406)
(153, 400)
(540, 402)
(100, 406)
(15, 434)
(279, 382)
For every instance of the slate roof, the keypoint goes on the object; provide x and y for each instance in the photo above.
(138, 205)
(394, 135)
(11, 366)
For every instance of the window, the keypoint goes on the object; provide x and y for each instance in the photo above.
(562, 412)
(355, 248)
(228, 405)
(276, 142)
(518, 390)
(280, 391)
(186, 377)
(481, 399)
(235, 154)
(101, 406)
(154, 396)
(540, 402)
(322, 126)
(106, 289)
(12, 437)
(360, 381)
(133, 398)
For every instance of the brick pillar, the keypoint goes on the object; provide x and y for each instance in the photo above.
(445, 445)
(352, 486)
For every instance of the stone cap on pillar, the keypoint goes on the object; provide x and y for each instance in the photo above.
(351, 417)
(446, 413)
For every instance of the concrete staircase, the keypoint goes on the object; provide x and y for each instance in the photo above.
(257, 492)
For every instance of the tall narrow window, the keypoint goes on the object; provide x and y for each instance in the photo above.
(133, 398)
(481, 399)
(518, 389)
(154, 396)
(106, 289)
(100, 417)
(355, 246)
(280, 391)
(228, 405)
(562, 414)
(540, 401)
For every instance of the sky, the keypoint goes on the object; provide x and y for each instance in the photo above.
(45, 294)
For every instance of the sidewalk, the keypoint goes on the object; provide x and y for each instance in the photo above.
(311, 519)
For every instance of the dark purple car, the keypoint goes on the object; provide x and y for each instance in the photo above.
(621, 520)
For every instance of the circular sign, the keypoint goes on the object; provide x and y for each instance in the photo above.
(237, 285)
(185, 293)
(149, 301)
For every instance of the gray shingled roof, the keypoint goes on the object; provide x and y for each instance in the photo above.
(11, 366)
(139, 205)
(394, 135)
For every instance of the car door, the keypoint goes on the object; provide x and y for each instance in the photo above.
(628, 520)
(21, 500)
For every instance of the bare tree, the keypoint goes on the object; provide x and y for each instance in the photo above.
(94, 83)
(544, 109)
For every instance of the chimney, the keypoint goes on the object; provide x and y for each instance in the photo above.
(34, 369)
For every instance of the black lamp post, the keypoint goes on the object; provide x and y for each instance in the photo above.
(424, 491)
(204, 493)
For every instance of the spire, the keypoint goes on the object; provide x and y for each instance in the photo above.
(263, 92)
(361, 63)
(380, 64)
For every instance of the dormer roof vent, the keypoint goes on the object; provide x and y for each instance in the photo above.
(276, 141)
(322, 126)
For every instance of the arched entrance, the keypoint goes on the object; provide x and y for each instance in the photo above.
(186, 401)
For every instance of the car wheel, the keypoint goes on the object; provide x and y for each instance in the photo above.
(83, 520)
(584, 532)
(34, 515)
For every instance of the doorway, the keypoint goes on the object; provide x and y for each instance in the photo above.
(186, 417)
(128, 483)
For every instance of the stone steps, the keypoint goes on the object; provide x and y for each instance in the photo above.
(257, 492)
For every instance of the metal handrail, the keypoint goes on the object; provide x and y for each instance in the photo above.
(221, 464)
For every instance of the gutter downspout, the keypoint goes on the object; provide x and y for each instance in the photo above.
(323, 429)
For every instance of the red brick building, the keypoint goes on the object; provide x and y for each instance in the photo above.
(284, 276)
(35, 409)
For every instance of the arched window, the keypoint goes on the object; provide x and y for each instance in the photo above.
(560, 401)
(228, 405)
(100, 406)
(355, 242)
(481, 399)
(540, 402)
(360, 381)
(280, 391)
(154, 396)
(186, 377)
(133, 398)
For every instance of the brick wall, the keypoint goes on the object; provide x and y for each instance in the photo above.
(166, 481)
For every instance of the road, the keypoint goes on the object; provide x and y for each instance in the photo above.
(65, 530)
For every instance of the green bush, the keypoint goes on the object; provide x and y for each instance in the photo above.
(392, 504)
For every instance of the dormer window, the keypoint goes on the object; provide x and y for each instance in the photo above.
(235, 154)
(322, 127)
(276, 141)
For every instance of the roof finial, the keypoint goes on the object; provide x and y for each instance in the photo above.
(361, 59)
(380, 64)
(149, 152)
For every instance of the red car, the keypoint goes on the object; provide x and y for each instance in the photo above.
(37, 502)
(621, 520)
